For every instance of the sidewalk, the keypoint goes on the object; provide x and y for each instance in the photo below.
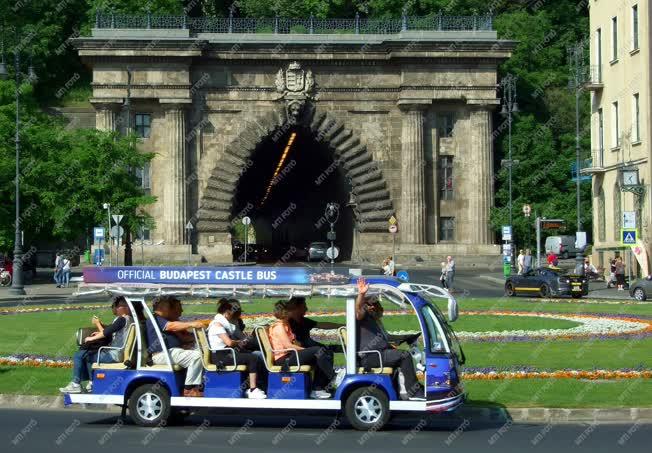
(42, 289)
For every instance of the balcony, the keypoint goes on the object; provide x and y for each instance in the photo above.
(593, 78)
(593, 165)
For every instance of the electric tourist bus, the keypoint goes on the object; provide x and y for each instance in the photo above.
(152, 394)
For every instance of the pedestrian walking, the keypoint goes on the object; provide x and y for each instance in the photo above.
(519, 261)
(442, 275)
(527, 261)
(450, 273)
(620, 274)
(65, 269)
(58, 269)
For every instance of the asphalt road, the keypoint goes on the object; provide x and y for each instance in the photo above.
(83, 431)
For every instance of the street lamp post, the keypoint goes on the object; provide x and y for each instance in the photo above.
(107, 206)
(509, 107)
(17, 286)
(577, 67)
(332, 214)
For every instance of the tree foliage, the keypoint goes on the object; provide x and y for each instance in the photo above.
(65, 176)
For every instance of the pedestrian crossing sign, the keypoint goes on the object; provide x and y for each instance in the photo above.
(628, 236)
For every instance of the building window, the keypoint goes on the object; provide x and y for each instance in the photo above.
(617, 212)
(143, 124)
(143, 175)
(446, 124)
(602, 221)
(636, 120)
(445, 177)
(635, 27)
(615, 125)
(614, 38)
(598, 54)
(447, 229)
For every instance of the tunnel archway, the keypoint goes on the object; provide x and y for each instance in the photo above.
(285, 189)
(351, 164)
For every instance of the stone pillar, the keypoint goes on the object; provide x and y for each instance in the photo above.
(412, 218)
(481, 167)
(174, 191)
(106, 113)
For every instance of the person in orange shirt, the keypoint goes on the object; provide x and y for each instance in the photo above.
(283, 343)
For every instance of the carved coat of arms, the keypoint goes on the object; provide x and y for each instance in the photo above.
(296, 86)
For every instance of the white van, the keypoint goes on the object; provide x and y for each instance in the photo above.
(562, 246)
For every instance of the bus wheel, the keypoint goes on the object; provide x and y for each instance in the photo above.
(149, 405)
(367, 408)
(509, 290)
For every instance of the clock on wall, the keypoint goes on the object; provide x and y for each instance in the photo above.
(629, 177)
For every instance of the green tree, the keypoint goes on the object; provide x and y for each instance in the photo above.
(66, 175)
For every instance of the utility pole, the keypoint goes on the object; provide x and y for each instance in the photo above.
(577, 79)
(509, 107)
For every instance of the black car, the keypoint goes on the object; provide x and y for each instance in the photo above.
(546, 282)
(639, 289)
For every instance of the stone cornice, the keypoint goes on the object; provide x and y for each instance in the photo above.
(319, 89)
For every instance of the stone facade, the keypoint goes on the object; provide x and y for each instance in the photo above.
(389, 107)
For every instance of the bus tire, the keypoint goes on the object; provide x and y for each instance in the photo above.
(367, 408)
(149, 405)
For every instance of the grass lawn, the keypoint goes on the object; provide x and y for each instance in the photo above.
(561, 393)
(32, 381)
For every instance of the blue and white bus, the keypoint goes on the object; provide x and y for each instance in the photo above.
(152, 393)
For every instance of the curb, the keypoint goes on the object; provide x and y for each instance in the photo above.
(473, 413)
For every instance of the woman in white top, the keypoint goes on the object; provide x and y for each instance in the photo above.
(222, 333)
(66, 272)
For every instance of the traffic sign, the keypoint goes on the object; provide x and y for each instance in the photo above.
(507, 233)
(392, 220)
(246, 220)
(628, 236)
(117, 218)
(527, 210)
(629, 220)
(189, 226)
(98, 233)
(332, 252)
(393, 229)
(117, 231)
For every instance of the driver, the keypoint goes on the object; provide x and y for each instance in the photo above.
(372, 336)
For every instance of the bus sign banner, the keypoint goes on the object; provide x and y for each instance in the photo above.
(210, 276)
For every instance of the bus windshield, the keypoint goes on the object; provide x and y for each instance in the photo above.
(433, 318)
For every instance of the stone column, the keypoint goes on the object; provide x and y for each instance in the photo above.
(106, 111)
(481, 167)
(412, 218)
(174, 192)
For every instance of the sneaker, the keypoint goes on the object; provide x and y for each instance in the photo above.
(319, 395)
(256, 394)
(73, 387)
(89, 387)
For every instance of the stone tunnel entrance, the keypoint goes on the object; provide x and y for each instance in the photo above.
(289, 179)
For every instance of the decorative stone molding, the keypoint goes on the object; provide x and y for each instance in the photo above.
(296, 86)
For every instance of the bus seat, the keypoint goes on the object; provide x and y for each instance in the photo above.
(145, 360)
(127, 351)
(266, 348)
(204, 348)
(361, 370)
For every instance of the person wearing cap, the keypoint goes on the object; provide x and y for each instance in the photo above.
(88, 353)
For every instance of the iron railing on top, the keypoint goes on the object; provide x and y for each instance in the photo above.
(282, 25)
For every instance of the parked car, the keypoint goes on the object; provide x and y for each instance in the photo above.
(562, 246)
(546, 282)
(640, 288)
(317, 251)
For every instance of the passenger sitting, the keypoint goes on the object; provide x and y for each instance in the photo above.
(281, 338)
(116, 333)
(167, 310)
(372, 336)
(223, 333)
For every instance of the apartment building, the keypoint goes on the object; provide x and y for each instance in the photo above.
(619, 81)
